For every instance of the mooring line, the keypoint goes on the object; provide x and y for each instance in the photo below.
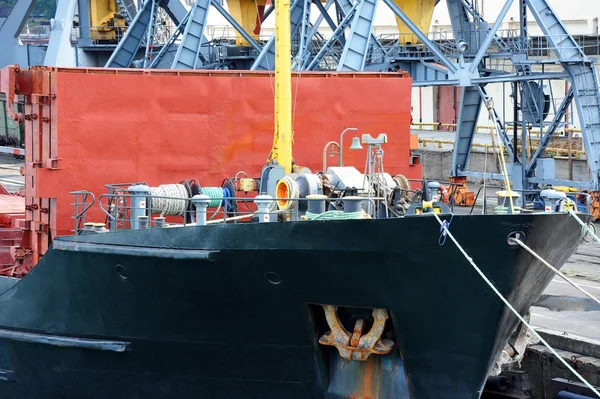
(555, 270)
(512, 309)
(585, 226)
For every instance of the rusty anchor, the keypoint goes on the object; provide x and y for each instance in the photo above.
(356, 346)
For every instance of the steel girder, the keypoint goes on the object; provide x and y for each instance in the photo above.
(188, 52)
(335, 36)
(133, 39)
(355, 50)
(583, 77)
(550, 131)
(12, 52)
(128, 47)
(60, 52)
(266, 58)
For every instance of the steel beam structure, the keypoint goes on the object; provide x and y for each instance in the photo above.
(335, 36)
(236, 25)
(129, 46)
(138, 33)
(554, 125)
(583, 77)
(470, 60)
(266, 58)
(188, 52)
(12, 52)
(355, 50)
(60, 51)
(470, 105)
(304, 30)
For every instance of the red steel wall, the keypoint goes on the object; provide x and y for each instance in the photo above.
(115, 126)
(449, 104)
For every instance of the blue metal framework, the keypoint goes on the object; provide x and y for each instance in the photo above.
(468, 59)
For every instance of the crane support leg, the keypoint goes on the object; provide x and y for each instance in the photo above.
(583, 77)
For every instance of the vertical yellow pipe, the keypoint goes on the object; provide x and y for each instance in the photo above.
(282, 146)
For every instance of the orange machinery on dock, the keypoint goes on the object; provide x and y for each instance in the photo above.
(90, 127)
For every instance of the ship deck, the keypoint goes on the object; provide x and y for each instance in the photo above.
(561, 308)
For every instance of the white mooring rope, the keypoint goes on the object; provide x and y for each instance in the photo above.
(585, 226)
(173, 206)
(512, 309)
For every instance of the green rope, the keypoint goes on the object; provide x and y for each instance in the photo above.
(334, 215)
(213, 192)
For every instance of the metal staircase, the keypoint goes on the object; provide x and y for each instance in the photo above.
(188, 52)
(128, 47)
(127, 10)
(467, 122)
(150, 48)
(355, 51)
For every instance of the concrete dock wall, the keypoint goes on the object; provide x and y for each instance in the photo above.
(437, 163)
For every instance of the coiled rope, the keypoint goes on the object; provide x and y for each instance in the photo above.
(294, 193)
(335, 215)
(514, 311)
(173, 201)
(215, 194)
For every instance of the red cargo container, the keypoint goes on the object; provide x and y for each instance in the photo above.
(89, 127)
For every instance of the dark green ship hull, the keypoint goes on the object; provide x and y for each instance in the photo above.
(233, 311)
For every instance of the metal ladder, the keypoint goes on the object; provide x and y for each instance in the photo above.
(150, 35)
(355, 51)
(188, 52)
(127, 10)
(133, 38)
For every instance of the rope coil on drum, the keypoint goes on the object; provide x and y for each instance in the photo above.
(173, 199)
(215, 194)
(287, 188)
(175, 203)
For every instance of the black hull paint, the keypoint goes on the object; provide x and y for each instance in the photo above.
(198, 317)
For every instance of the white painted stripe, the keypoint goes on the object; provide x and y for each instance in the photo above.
(596, 287)
(543, 317)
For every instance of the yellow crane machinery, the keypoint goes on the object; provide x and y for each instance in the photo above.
(282, 139)
(249, 14)
(106, 21)
(420, 12)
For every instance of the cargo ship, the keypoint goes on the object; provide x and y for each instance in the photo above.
(288, 284)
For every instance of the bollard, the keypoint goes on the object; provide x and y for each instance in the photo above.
(159, 222)
(263, 203)
(100, 228)
(201, 202)
(88, 228)
(138, 203)
(352, 204)
(143, 222)
(318, 205)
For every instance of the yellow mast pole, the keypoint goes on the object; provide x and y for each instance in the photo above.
(282, 143)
